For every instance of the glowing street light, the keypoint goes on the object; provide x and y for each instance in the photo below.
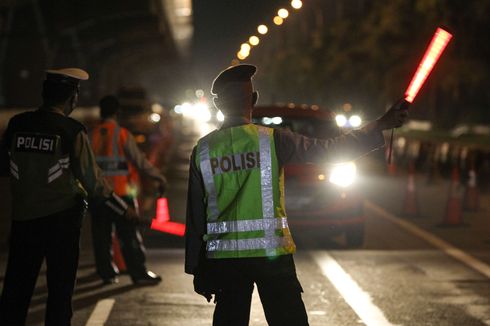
(283, 13)
(262, 29)
(278, 20)
(241, 55)
(253, 40)
(296, 4)
(245, 47)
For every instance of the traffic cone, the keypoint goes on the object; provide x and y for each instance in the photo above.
(454, 214)
(162, 222)
(117, 255)
(471, 196)
(410, 203)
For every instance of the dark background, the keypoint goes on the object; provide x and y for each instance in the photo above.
(328, 53)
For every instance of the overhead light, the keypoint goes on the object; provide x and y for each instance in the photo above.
(278, 20)
(283, 13)
(262, 29)
(296, 4)
(245, 47)
(253, 40)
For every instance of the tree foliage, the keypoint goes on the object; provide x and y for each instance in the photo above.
(365, 52)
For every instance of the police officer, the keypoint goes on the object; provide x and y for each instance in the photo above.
(117, 153)
(52, 169)
(237, 231)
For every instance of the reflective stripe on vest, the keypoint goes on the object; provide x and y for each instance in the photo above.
(113, 164)
(14, 170)
(57, 170)
(233, 236)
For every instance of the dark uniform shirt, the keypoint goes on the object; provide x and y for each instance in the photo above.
(45, 199)
(290, 148)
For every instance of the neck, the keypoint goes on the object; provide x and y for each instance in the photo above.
(53, 108)
(231, 121)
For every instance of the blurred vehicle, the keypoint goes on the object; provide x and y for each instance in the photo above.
(323, 197)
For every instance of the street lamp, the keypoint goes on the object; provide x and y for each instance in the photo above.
(296, 4)
(245, 47)
(278, 20)
(283, 13)
(253, 40)
(262, 29)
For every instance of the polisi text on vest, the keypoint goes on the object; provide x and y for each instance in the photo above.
(236, 162)
(35, 143)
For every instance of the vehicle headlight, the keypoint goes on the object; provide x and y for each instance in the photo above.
(344, 174)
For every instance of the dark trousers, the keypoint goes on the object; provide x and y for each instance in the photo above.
(57, 238)
(278, 286)
(130, 240)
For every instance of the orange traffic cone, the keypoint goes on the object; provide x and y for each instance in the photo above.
(410, 203)
(162, 222)
(471, 196)
(454, 215)
(117, 255)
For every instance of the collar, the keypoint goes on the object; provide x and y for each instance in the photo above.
(53, 109)
(235, 121)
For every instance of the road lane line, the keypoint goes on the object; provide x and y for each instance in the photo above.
(437, 242)
(101, 312)
(359, 300)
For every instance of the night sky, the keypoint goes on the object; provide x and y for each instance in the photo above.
(221, 26)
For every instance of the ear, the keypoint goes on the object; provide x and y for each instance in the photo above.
(216, 102)
(255, 97)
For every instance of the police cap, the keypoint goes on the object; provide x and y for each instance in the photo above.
(67, 76)
(238, 73)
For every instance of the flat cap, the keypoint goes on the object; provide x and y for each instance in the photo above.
(70, 76)
(238, 73)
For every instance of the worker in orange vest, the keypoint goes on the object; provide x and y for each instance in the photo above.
(120, 159)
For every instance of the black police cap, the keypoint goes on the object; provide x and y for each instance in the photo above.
(238, 73)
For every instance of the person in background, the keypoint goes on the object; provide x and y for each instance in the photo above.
(118, 155)
(52, 169)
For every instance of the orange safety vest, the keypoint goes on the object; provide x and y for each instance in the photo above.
(107, 140)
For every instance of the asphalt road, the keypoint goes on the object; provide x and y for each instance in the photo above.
(407, 273)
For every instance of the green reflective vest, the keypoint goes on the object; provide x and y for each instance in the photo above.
(244, 186)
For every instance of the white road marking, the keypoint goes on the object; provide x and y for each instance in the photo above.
(101, 312)
(437, 242)
(356, 298)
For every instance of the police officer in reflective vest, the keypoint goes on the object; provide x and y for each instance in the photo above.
(52, 169)
(117, 153)
(237, 230)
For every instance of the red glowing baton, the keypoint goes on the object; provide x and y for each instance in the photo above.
(439, 42)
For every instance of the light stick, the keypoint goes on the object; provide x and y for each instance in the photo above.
(439, 42)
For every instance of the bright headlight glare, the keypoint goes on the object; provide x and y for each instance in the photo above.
(355, 121)
(341, 120)
(344, 174)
